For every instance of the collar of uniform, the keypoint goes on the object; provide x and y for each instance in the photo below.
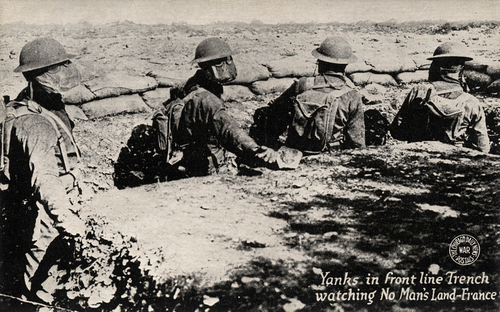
(329, 79)
(454, 87)
(200, 79)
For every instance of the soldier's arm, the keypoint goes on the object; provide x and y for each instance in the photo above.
(208, 110)
(232, 137)
(40, 142)
(477, 130)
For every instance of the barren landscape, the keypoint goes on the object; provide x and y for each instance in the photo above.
(263, 240)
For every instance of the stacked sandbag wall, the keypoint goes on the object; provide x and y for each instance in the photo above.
(118, 92)
(483, 76)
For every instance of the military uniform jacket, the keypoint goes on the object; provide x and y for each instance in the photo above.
(320, 112)
(442, 111)
(37, 170)
(202, 124)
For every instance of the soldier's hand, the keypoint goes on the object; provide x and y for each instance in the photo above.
(268, 155)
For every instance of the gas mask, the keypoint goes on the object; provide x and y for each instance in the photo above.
(452, 72)
(59, 78)
(448, 70)
(221, 70)
(49, 86)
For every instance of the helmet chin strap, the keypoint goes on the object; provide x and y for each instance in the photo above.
(449, 73)
(30, 84)
(454, 75)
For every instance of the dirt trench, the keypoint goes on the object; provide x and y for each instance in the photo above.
(264, 240)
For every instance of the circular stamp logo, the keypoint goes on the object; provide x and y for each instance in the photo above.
(464, 249)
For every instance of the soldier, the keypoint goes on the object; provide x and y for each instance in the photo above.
(319, 112)
(40, 219)
(442, 110)
(195, 129)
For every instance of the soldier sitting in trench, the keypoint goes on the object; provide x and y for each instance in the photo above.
(194, 130)
(40, 218)
(442, 110)
(320, 112)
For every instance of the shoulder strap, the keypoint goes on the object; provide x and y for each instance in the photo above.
(338, 93)
(450, 90)
(443, 107)
(332, 111)
(52, 116)
(16, 109)
(328, 84)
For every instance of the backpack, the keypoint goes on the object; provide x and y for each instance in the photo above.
(164, 122)
(14, 109)
(151, 155)
(427, 116)
(313, 120)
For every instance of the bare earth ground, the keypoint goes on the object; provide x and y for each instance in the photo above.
(269, 240)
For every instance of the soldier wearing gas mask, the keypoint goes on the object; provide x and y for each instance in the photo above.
(317, 113)
(199, 128)
(41, 222)
(442, 110)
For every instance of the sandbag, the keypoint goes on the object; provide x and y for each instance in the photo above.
(421, 62)
(236, 93)
(479, 66)
(78, 95)
(493, 70)
(86, 72)
(293, 66)
(271, 86)
(391, 62)
(75, 112)
(357, 67)
(117, 84)
(477, 80)
(114, 106)
(249, 71)
(362, 79)
(169, 79)
(494, 87)
(155, 98)
(413, 77)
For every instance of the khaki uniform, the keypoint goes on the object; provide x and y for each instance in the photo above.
(318, 112)
(203, 129)
(43, 177)
(442, 111)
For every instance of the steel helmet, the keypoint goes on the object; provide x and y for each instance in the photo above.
(211, 49)
(334, 50)
(450, 50)
(41, 52)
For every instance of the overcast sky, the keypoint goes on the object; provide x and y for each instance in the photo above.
(267, 11)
